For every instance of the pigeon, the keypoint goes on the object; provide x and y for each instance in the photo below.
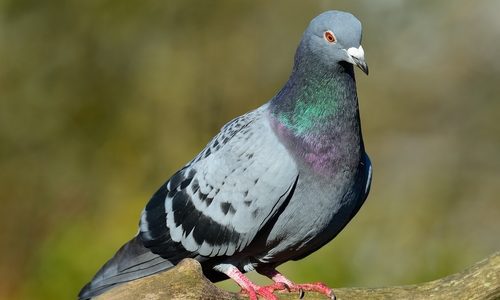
(274, 185)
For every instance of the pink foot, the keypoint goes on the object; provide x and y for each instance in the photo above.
(251, 289)
(313, 287)
(265, 292)
(278, 278)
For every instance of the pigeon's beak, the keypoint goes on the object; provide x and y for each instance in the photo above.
(357, 57)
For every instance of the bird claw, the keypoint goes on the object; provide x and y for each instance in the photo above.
(332, 296)
(301, 293)
(284, 286)
(281, 286)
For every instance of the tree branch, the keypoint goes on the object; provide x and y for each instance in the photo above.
(186, 281)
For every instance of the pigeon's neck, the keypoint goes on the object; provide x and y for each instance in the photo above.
(318, 115)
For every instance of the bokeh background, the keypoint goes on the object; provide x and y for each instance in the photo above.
(101, 101)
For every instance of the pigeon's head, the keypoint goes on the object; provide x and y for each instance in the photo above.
(333, 38)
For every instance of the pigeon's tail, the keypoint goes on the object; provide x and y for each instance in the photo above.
(132, 261)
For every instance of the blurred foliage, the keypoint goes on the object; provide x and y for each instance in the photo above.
(101, 101)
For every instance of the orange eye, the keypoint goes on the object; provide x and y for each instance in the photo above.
(330, 37)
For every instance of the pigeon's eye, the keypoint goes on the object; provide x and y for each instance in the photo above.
(330, 37)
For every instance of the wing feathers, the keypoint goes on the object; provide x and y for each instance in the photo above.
(218, 202)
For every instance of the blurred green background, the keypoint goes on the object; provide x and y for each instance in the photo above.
(101, 101)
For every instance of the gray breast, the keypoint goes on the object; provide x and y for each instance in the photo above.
(318, 210)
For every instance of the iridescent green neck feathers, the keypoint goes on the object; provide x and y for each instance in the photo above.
(309, 105)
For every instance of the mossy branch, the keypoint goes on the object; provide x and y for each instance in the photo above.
(186, 281)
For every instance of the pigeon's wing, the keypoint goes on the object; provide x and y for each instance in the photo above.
(218, 202)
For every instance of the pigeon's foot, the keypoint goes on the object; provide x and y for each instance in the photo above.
(251, 289)
(313, 287)
(266, 292)
(288, 285)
